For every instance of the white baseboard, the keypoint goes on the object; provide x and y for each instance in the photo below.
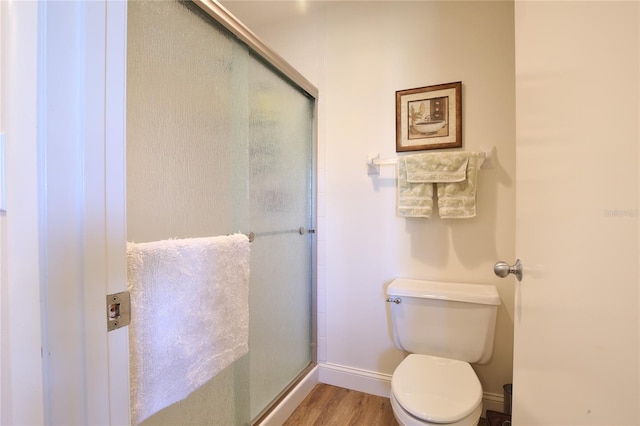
(355, 379)
(493, 402)
(380, 384)
(288, 405)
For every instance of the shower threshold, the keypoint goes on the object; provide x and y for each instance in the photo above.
(289, 399)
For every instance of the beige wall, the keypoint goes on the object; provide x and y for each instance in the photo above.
(358, 54)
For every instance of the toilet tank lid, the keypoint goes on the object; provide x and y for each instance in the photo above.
(459, 292)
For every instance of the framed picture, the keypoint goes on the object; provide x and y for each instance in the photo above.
(429, 117)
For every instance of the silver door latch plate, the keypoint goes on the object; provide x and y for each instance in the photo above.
(118, 310)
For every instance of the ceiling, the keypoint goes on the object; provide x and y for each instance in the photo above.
(257, 13)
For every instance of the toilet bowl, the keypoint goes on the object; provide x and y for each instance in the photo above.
(428, 390)
(444, 327)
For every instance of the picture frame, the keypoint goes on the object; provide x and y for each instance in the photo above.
(429, 117)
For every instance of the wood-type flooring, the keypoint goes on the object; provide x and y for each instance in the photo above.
(328, 405)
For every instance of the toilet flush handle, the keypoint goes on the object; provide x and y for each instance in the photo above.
(395, 300)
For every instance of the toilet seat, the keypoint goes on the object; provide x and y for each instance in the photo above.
(436, 390)
(404, 418)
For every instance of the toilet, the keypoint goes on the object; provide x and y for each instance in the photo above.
(444, 327)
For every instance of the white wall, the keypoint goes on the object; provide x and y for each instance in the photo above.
(358, 54)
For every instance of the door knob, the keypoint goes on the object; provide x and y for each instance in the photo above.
(502, 269)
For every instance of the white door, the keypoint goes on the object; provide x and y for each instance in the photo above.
(576, 310)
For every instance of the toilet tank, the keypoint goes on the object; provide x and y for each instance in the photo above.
(449, 320)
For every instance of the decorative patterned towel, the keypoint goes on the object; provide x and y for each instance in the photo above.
(436, 168)
(189, 316)
(457, 200)
(454, 173)
(413, 199)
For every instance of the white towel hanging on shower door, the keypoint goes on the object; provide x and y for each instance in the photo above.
(190, 316)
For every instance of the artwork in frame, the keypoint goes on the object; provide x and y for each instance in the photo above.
(429, 117)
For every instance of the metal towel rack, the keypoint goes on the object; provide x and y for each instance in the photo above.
(302, 230)
(374, 161)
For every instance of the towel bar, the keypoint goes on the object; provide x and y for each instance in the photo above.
(252, 235)
(374, 162)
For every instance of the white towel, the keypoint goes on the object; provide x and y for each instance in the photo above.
(189, 316)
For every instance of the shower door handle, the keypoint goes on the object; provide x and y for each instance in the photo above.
(502, 269)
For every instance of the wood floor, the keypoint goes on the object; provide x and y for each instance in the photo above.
(328, 405)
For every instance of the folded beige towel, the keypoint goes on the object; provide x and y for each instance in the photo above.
(437, 168)
(413, 199)
(457, 200)
(451, 171)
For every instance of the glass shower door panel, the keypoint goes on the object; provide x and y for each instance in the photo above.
(187, 158)
(218, 142)
(280, 188)
(187, 138)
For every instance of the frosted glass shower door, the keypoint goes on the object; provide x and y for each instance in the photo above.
(280, 214)
(187, 159)
(220, 142)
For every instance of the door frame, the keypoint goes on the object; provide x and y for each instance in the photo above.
(21, 363)
(65, 206)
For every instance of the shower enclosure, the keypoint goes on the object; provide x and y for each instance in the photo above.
(220, 139)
